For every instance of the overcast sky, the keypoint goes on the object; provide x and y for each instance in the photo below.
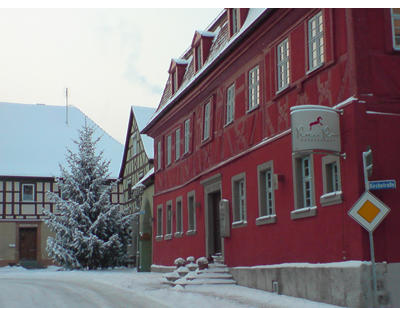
(109, 59)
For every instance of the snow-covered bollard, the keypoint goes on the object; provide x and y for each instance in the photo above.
(191, 265)
(179, 262)
(172, 276)
(182, 271)
(202, 262)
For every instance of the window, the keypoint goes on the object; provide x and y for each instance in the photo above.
(254, 88)
(187, 136)
(191, 213)
(169, 145)
(230, 104)
(331, 181)
(235, 21)
(315, 42)
(239, 200)
(198, 57)
(177, 143)
(266, 197)
(178, 216)
(129, 189)
(134, 145)
(283, 65)
(159, 155)
(159, 222)
(396, 28)
(303, 187)
(28, 192)
(168, 230)
(174, 81)
(206, 121)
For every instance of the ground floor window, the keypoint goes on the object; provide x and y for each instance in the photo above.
(191, 208)
(266, 197)
(159, 222)
(239, 199)
(331, 180)
(168, 230)
(178, 217)
(303, 176)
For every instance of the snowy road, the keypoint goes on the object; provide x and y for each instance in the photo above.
(126, 288)
(45, 291)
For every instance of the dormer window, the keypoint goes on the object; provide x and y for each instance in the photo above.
(201, 45)
(236, 18)
(198, 57)
(177, 71)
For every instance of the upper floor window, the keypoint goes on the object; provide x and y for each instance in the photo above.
(230, 104)
(177, 143)
(169, 149)
(134, 144)
(28, 192)
(187, 136)
(174, 81)
(254, 88)
(206, 121)
(159, 155)
(283, 65)
(396, 28)
(315, 41)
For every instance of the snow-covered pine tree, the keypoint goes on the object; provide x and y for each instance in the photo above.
(90, 232)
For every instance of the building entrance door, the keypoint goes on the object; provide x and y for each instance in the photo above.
(214, 225)
(27, 243)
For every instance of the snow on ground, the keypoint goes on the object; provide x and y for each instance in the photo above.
(149, 284)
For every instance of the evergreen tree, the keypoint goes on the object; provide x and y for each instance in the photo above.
(90, 232)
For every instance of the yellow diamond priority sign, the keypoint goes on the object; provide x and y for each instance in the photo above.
(369, 211)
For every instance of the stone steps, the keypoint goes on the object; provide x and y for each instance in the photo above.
(216, 273)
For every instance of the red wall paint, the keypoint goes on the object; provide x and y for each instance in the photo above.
(331, 235)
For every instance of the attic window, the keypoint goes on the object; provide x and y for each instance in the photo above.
(236, 18)
(177, 71)
(198, 59)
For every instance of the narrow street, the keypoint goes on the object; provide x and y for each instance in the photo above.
(55, 292)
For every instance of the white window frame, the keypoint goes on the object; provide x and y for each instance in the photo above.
(235, 21)
(254, 88)
(187, 136)
(191, 211)
(239, 200)
(168, 221)
(303, 183)
(169, 149)
(266, 193)
(177, 144)
(26, 198)
(230, 104)
(159, 222)
(179, 217)
(395, 17)
(332, 186)
(316, 44)
(159, 155)
(207, 121)
(283, 64)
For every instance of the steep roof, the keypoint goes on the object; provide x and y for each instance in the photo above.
(221, 46)
(34, 139)
(142, 115)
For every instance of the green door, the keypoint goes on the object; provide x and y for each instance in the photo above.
(145, 242)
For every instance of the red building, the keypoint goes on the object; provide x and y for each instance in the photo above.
(223, 130)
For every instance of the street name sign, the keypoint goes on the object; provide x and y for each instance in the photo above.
(382, 184)
(369, 211)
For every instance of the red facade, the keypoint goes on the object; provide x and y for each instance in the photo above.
(357, 72)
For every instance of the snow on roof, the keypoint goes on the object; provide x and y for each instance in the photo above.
(206, 33)
(146, 176)
(35, 139)
(142, 116)
(252, 16)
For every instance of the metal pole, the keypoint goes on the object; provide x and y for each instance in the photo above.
(371, 237)
(374, 285)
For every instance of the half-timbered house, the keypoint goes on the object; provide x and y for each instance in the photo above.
(231, 179)
(137, 161)
(34, 142)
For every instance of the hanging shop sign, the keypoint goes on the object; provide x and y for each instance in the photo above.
(315, 127)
